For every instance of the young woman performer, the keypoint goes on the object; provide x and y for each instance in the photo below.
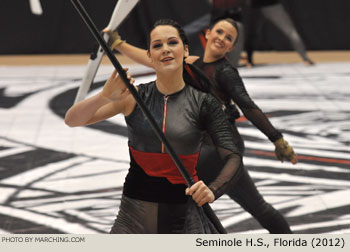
(155, 197)
(228, 86)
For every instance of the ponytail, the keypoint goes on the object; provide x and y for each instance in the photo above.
(194, 77)
(197, 79)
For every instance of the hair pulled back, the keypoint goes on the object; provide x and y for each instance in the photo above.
(192, 75)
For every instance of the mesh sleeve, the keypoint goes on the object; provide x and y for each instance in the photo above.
(220, 132)
(232, 83)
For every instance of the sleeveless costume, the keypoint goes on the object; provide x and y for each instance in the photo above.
(154, 199)
(228, 86)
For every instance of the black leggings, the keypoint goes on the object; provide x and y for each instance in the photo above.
(243, 190)
(245, 193)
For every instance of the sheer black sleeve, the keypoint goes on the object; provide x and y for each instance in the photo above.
(213, 120)
(232, 83)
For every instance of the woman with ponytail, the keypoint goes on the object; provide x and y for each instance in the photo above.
(155, 195)
(227, 85)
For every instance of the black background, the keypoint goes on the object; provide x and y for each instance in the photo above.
(323, 25)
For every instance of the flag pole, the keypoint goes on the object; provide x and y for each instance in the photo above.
(189, 180)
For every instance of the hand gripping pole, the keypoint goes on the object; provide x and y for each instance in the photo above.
(84, 15)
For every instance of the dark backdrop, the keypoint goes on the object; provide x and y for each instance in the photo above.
(323, 24)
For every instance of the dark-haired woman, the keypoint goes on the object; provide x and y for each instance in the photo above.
(228, 87)
(155, 195)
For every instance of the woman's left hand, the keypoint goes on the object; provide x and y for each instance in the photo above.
(200, 193)
(284, 151)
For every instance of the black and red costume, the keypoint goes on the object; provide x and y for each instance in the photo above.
(154, 190)
(228, 86)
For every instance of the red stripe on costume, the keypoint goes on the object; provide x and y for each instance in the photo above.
(189, 71)
(161, 165)
(164, 118)
(241, 119)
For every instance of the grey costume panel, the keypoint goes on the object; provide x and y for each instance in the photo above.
(143, 217)
(152, 203)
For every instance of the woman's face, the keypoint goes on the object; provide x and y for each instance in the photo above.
(167, 50)
(221, 38)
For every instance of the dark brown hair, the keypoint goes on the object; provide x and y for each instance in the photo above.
(229, 20)
(192, 75)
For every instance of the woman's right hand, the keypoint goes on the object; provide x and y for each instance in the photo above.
(115, 89)
(200, 193)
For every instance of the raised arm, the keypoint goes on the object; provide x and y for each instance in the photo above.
(137, 54)
(114, 98)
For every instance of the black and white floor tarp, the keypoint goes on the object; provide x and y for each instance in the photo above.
(56, 179)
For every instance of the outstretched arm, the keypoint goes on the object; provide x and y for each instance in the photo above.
(233, 85)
